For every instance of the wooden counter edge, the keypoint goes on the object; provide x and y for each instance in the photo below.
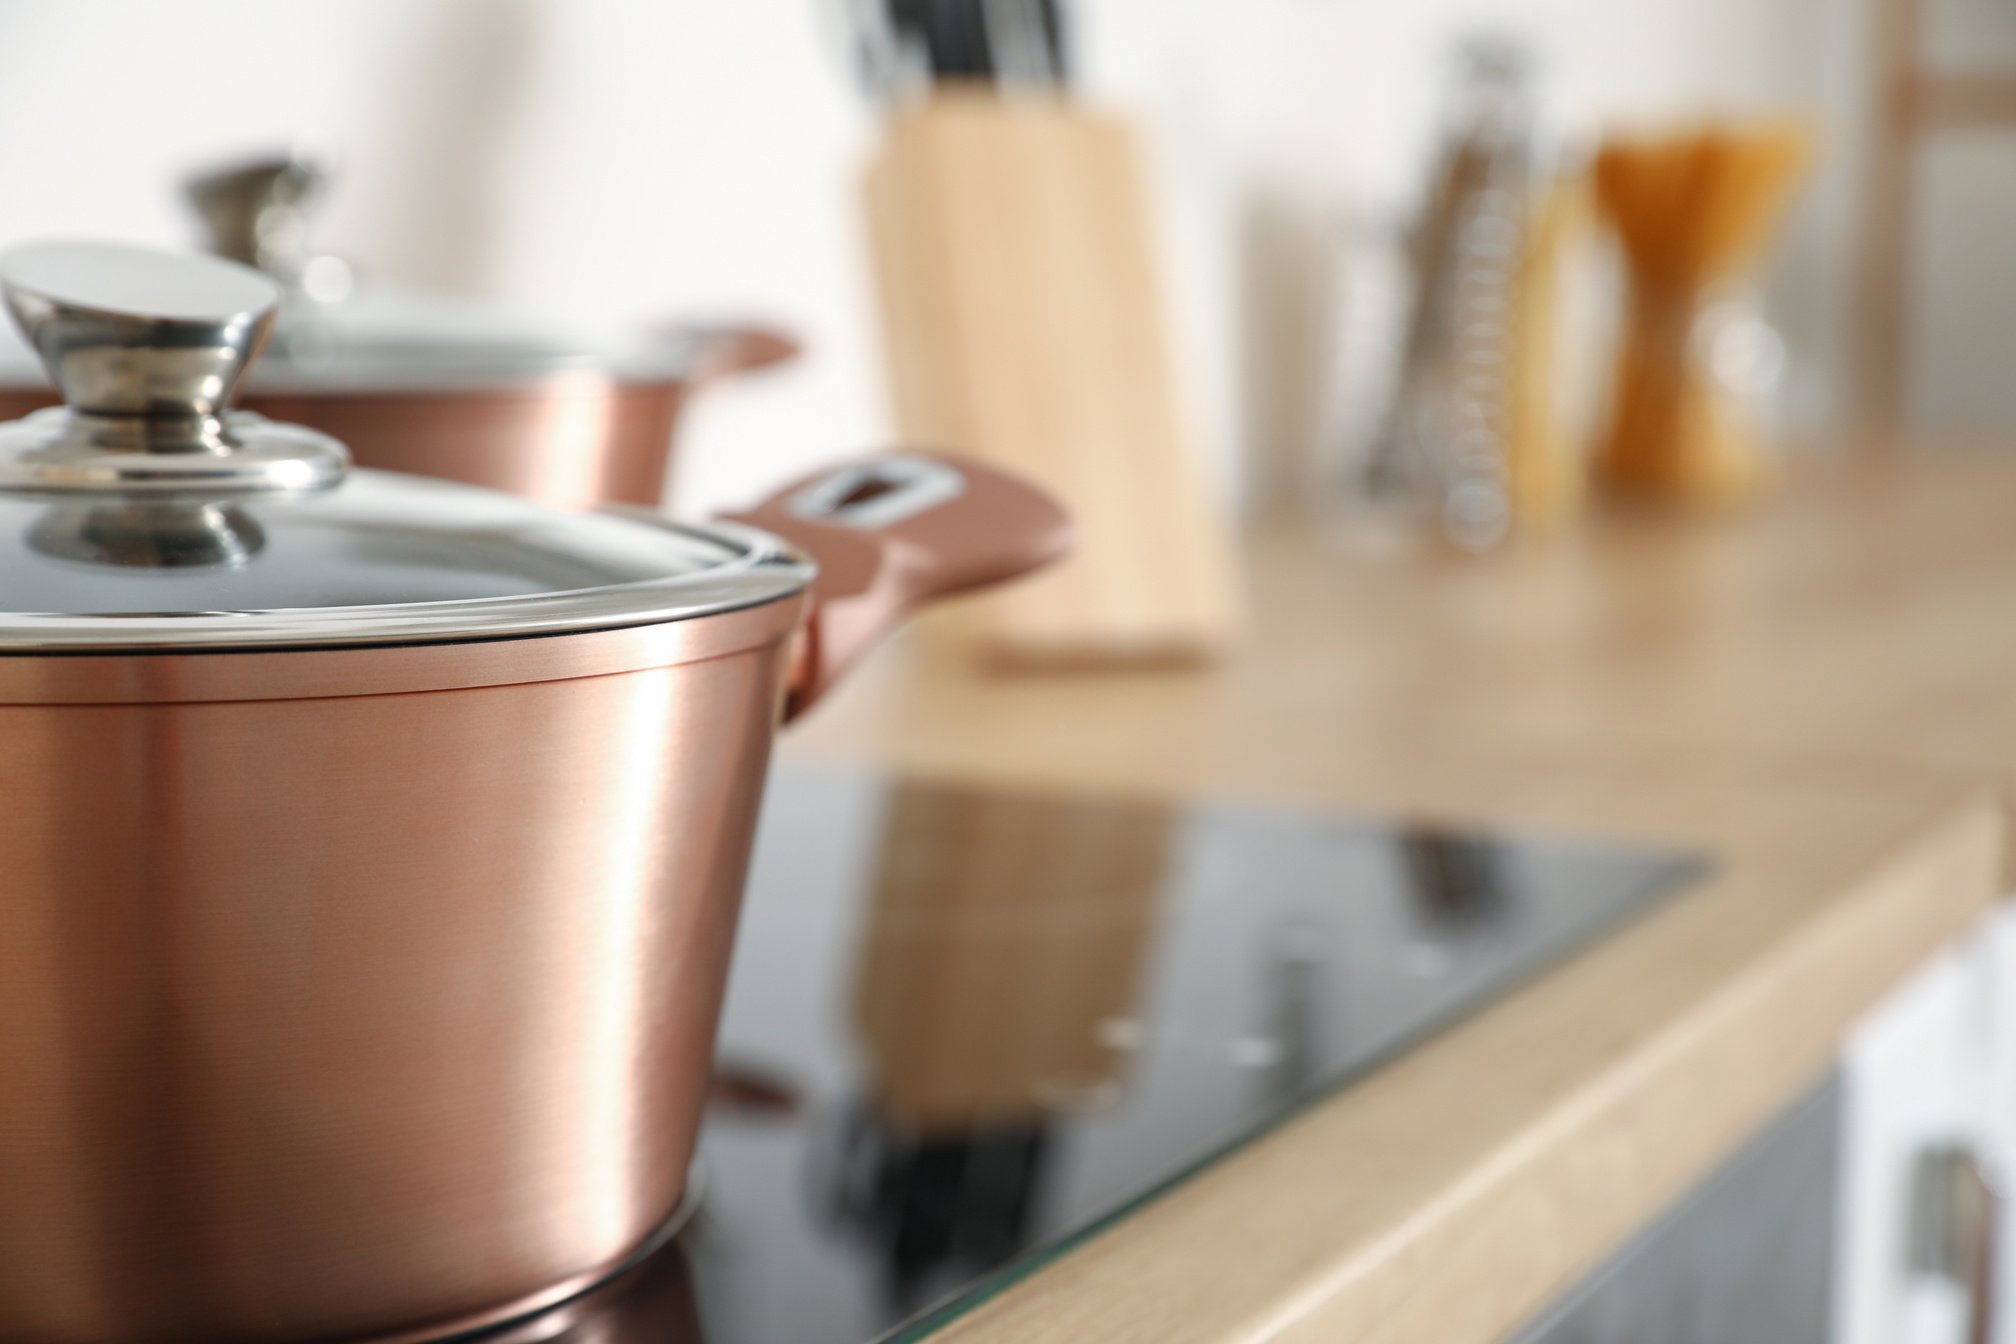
(1450, 1197)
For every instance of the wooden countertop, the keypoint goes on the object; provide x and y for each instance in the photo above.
(1867, 618)
(1821, 692)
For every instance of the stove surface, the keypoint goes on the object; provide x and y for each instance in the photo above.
(967, 1027)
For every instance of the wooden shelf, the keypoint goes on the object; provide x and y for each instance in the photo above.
(1950, 102)
(1914, 102)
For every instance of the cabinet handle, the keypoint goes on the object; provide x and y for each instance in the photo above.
(1956, 1211)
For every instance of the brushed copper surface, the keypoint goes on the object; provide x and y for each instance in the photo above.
(652, 1302)
(119, 678)
(371, 993)
(569, 440)
(17, 401)
(335, 1017)
(645, 1296)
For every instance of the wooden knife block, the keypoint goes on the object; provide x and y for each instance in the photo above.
(1024, 327)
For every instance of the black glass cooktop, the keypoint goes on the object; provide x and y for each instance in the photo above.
(966, 1028)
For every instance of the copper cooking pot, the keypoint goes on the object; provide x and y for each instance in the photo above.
(373, 844)
(448, 388)
(652, 1302)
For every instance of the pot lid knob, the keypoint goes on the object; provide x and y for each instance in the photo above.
(147, 348)
(258, 212)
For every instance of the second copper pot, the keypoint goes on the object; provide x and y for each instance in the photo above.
(569, 437)
(568, 430)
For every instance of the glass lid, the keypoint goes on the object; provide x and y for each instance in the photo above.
(333, 336)
(144, 515)
(377, 340)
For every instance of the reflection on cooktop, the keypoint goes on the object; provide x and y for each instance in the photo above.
(966, 1027)
(940, 1209)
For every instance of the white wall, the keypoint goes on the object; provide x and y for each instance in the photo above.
(1278, 119)
(1963, 292)
(614, 158)
(602, 159)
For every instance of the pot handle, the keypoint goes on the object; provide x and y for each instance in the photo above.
(892, 533)
(733, 347)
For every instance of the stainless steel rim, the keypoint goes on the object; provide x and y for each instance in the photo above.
(296, 367)
(763, 570)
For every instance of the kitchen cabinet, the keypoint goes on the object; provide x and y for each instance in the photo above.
(1864, 1215)
(1930, 1131)
(1917, 1112)
(1746, 1257)
(1999, 1138)
(1917, 1124)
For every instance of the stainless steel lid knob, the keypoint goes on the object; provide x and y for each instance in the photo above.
(147, 348)
(258, 213)
(127, 331)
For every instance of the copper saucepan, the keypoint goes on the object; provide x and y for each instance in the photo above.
(568, 426)
(443, 387)
(372, 845)
(651, 1303)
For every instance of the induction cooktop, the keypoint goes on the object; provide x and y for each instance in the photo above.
(967, 1028)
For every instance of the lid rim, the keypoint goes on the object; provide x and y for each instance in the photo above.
(767, 570)
(276, 544)
(290, 376)
(229, 676)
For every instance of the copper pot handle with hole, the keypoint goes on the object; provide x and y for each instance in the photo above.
(731, 348)
(893, 533)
